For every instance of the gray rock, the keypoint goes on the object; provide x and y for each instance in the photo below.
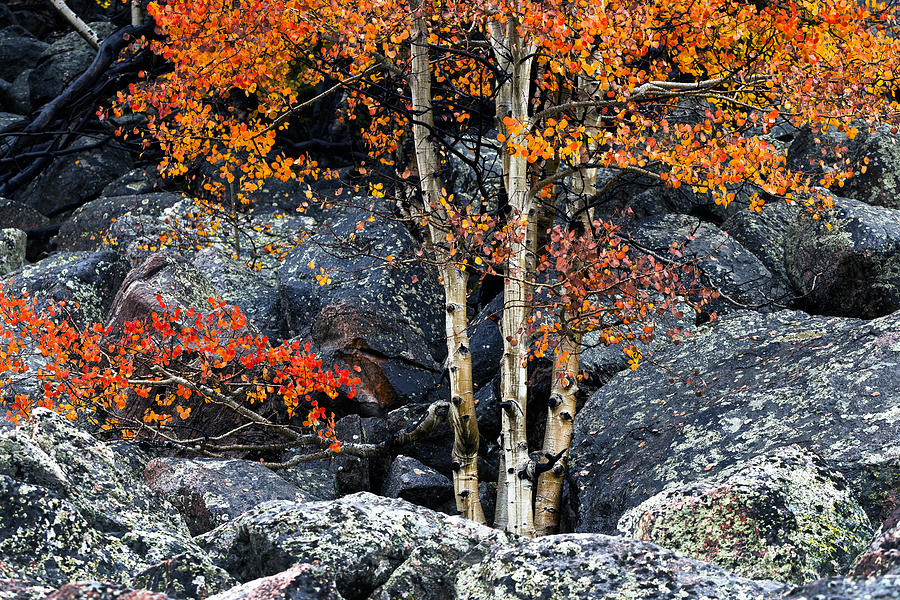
(72, 179)
(12, 250)
(189, 576)
(387, 320)
(17, 99)
(851, 269)
(72, 511)
(878, 152)
(209, 492)
(765, 381)
(846, 588)
(782, 516)
(722, 263)
(99, 590)
(486, 342)
(412, 481)
(135, 182)
(376, 547)
(588, 566)
(18, 51)
(86, 281)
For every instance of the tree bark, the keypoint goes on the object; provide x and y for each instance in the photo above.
(515, 59)
(459, 358)
(558, 433)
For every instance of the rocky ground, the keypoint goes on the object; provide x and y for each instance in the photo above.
(759, 459)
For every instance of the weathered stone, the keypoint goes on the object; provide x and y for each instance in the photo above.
(140, 181)
(72, 511)
(846, 588)
(782, 516)
(387, 320)
(187, 576)
(879, 152)
(165, 274)
(300, 582)
(588, 566)
(722, 263)
(883, 554)
(745, 385)
(72, 179)
(12, 250)
(90, 224)
(209, 492)
(371, 544)
(86, 281)
(851, 269)
(412, 481)
(486, 342)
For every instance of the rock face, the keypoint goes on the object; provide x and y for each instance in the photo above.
(88, 279)
(877, 186)
(576, 566)
(18, 51)
(72, 511)
(384, 319)
(851, 269)
(781, 516)
(723, 263)
(766, 381)
(883, 554)
(375, 547)
(209, 492)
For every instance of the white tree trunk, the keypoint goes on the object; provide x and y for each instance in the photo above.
(459, 358)
(514, 58)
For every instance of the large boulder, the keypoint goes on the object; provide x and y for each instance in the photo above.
(874, 157)
(782, 516)
(848, 265)
(21, 589)
(18, 215)
(742, 387)
(164, 274)
(72, 510)
(209, 492)
(384, 319)
(588, 566)
(18, 51)
(722, 263)
(86, 281)
(74, 178)
(301, 582)
(375, 547)
(412, 481)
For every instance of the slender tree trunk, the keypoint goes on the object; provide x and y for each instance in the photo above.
(513, 100)
(459, 358)
(558, 433)
(83, 29)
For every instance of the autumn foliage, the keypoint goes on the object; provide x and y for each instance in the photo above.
(177, 358)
